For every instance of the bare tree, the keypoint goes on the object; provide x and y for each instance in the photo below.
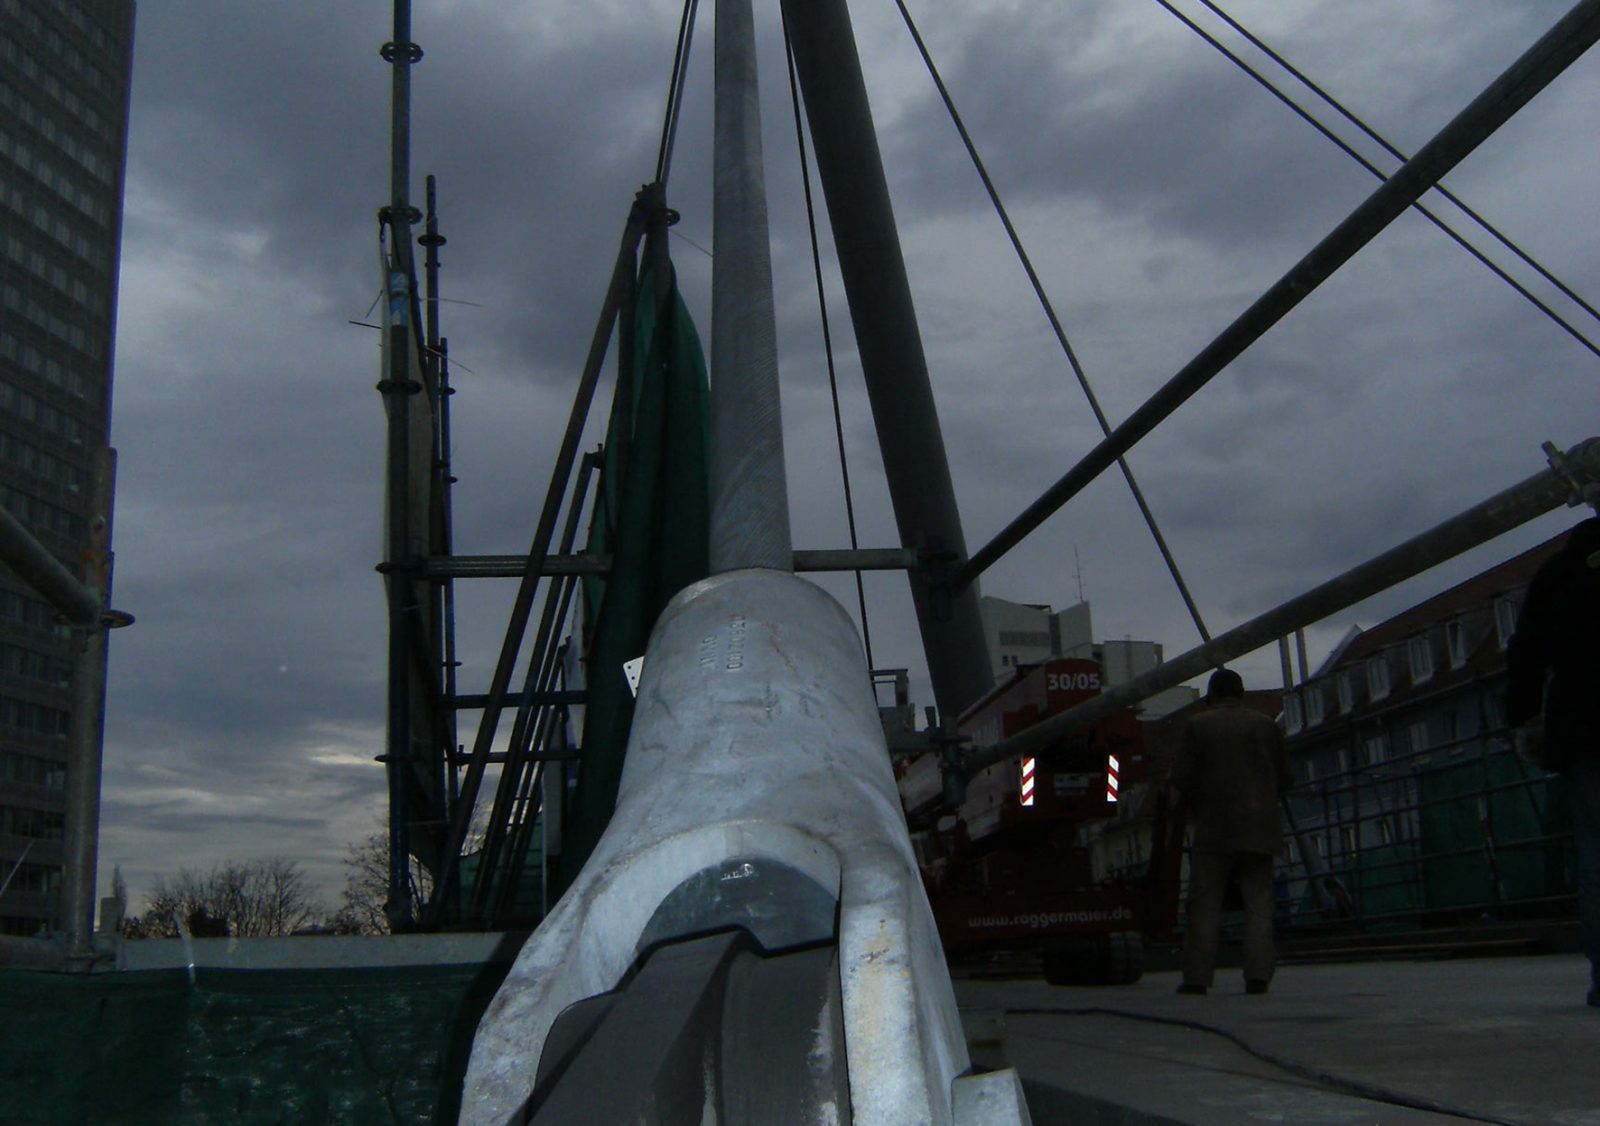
(246, 899)
(366, 887)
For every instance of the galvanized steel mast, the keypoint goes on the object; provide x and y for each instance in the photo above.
(749, 494)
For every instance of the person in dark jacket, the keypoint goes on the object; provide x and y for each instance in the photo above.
(1553, 690)
(1232, 768)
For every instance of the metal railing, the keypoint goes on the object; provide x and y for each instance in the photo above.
(1461, 831)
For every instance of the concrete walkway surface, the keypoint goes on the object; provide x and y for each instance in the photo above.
(1500, 1040)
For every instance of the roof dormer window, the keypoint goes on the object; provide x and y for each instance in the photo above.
(1505, 619)
(1378, 677)
(1420, 655)
(1293, 720)
(1346, 681)
(1314, 710)
(1455, 640)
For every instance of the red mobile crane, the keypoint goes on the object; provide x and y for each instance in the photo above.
(1010, 867)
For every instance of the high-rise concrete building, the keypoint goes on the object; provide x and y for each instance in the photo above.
(64, 81)
(1022, 634)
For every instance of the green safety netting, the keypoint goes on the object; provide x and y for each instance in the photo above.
(652, 515)
(1491, 830)
(366, 1045)
(1494, 829)
(526, 902)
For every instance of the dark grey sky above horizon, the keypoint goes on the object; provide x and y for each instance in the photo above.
(1159, 190)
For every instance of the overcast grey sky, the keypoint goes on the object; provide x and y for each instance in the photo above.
(1159, 190)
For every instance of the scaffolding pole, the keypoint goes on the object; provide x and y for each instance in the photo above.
(1576, 471)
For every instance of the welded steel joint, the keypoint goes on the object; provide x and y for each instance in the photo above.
(940, 568)
(1579, 467)
(953, 772)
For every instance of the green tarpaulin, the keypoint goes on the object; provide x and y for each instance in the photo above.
(652, 517)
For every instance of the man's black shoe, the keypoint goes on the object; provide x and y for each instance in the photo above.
(1190, 987)
(1255, 987)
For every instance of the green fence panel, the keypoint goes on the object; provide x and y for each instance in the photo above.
(1498, 800)
(1384, 882)
(383, 1045)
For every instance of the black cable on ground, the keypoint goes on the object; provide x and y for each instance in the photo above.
(827, 335)
(1321, 1078)
(1349, 151)
(1055, 321)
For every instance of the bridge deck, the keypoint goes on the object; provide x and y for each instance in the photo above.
(1497, 1039)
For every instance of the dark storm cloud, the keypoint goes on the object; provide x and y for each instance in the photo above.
(265, 117)
(1160, 191)
(182, 820)
(1181, 139)
(538, 144)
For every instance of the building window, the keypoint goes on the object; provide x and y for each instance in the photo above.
(1378, 677)
(1314, 712)
(1419, 738)
(1311, 770)
(1491, 711)
(1455, 640)
(1377, 748)
(1505, 620)
(39, 824)
(30, 770)
(1292, 719)
(36, 878)
(1421, 657)
(1347, 691)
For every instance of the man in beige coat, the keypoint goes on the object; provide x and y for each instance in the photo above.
(1233, 769)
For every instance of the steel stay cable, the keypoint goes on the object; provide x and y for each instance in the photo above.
(523, 740)
(1518, 84)
(533, 806)
(1393, 151)
(1055, 321)
(549, 716)
(460, 816)
(521, 743)
(1455, 236)
(827, 334)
